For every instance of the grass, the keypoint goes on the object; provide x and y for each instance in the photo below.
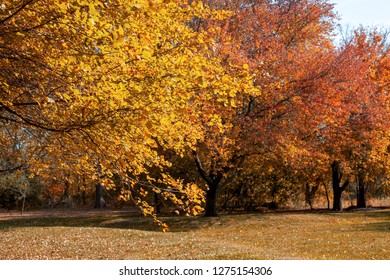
(279, 235)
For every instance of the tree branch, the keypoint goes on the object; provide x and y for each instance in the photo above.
(345, 185)
(24, 5)
(202, 172)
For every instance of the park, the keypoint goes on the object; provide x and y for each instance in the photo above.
(166, 129)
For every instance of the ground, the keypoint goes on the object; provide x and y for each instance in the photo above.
(124, 234)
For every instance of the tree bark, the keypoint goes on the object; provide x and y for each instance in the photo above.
(310, 192)
(23, 204)
(361, 192)
(337, 205)
(326, 195)
(213, 182)
(337, 189)
(156, 204)
(100, 203)
(211, 202)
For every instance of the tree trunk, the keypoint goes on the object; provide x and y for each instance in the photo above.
(83, 193)
(213, 181)
(310, 193)
(211, 202)
(156, 204)
(326, 194)
(337, 205)
(337, 189)
(100, 203)
(23, 204)
(361, 192)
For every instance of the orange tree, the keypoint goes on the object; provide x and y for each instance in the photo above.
(351, 110)
(361, 137)
(285, 45)
(319, 107)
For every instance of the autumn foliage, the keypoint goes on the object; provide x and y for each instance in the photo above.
(250, 95)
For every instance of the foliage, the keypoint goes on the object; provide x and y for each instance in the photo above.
(106, 83)
(136, 96)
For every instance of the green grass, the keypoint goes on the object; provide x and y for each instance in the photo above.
(280, 235)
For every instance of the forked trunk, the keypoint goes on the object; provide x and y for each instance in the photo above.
(213, 180)
(337, 189)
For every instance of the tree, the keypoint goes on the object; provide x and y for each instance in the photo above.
(101, 85)
(17, 186)
(278, 43)
(365, 106)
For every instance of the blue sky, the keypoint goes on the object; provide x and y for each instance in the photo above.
(365, 12)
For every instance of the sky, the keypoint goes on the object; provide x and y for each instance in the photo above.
(363, 12)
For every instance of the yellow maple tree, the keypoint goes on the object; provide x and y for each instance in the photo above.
(100, 85)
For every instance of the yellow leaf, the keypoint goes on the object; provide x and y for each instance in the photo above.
(147, 54)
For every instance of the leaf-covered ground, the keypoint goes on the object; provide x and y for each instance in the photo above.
(120, 235)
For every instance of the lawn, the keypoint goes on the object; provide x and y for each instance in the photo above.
(121, 235)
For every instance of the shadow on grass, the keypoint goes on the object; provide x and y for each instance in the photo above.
(380, 220)
(377, 219)
(119, 221)
(381, 223)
